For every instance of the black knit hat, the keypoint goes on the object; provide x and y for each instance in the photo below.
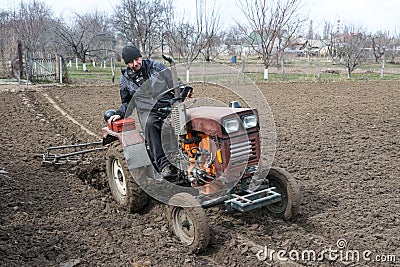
(129, 53)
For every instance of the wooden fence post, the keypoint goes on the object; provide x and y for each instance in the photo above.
(20, 62)
(57, 68)
(61, 68)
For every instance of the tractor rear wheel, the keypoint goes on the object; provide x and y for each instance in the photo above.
(124, 189)
(188, 221)
(287, 186)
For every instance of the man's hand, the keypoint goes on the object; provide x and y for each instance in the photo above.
(186, 91)
(113, 118)
(190, 94)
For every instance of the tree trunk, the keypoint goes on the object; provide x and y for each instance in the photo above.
(188, 73)
(266, 73)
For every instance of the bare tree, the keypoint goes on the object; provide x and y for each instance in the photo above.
(190, 39)
(310, 34)
(26, 26)
(234, 39)
(380, 42)
(327, 31)
(393, 50)
(185, 40)
(8, 46)
(31, 22)
(349, 48)
(211, 23)
(89, 36)
(142, 22)
(268, 21)
(217, 46)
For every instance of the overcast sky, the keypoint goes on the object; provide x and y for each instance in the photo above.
(373, 15)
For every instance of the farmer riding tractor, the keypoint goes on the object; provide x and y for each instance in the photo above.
(217, 153)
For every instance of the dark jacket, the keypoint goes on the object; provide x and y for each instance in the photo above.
(149, 95)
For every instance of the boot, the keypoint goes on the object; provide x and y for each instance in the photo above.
(166, 172)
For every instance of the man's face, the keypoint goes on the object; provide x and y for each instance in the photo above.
(135, 64)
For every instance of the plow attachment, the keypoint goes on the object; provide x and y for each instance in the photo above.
(70, 153)
(253, 200)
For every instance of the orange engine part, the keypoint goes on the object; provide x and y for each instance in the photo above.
(205, 144)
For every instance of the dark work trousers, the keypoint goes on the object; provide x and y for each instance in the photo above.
(153, 122)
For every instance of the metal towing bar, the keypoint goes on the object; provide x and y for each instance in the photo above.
(74, 156)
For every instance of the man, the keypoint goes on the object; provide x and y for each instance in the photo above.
(132, 85)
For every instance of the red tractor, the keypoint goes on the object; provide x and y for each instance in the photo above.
(217, 152)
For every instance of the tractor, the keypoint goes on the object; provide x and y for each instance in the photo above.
(217, 152)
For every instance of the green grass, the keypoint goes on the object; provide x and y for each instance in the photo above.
(95, 73)
(370, 71)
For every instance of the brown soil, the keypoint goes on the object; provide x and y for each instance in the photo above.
(339, 140)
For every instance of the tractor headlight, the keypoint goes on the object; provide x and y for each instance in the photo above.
(231, 125)
(250, 121)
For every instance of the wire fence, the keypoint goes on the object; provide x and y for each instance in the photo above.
(39, 67)
(18, 64)
(297, 69)
(318, 68)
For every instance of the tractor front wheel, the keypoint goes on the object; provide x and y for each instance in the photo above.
(285, 184)
(188, 221)
(124, 189)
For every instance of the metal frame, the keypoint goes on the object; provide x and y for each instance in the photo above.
(73, 157)
(252, 200)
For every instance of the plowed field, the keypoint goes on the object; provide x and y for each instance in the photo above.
(340, 140)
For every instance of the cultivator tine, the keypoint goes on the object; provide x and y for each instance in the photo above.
(70, 157)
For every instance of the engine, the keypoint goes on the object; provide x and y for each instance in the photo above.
(220, 144)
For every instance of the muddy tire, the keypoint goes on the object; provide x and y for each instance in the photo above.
(287, 186)
(188, 221)
(122, 185)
